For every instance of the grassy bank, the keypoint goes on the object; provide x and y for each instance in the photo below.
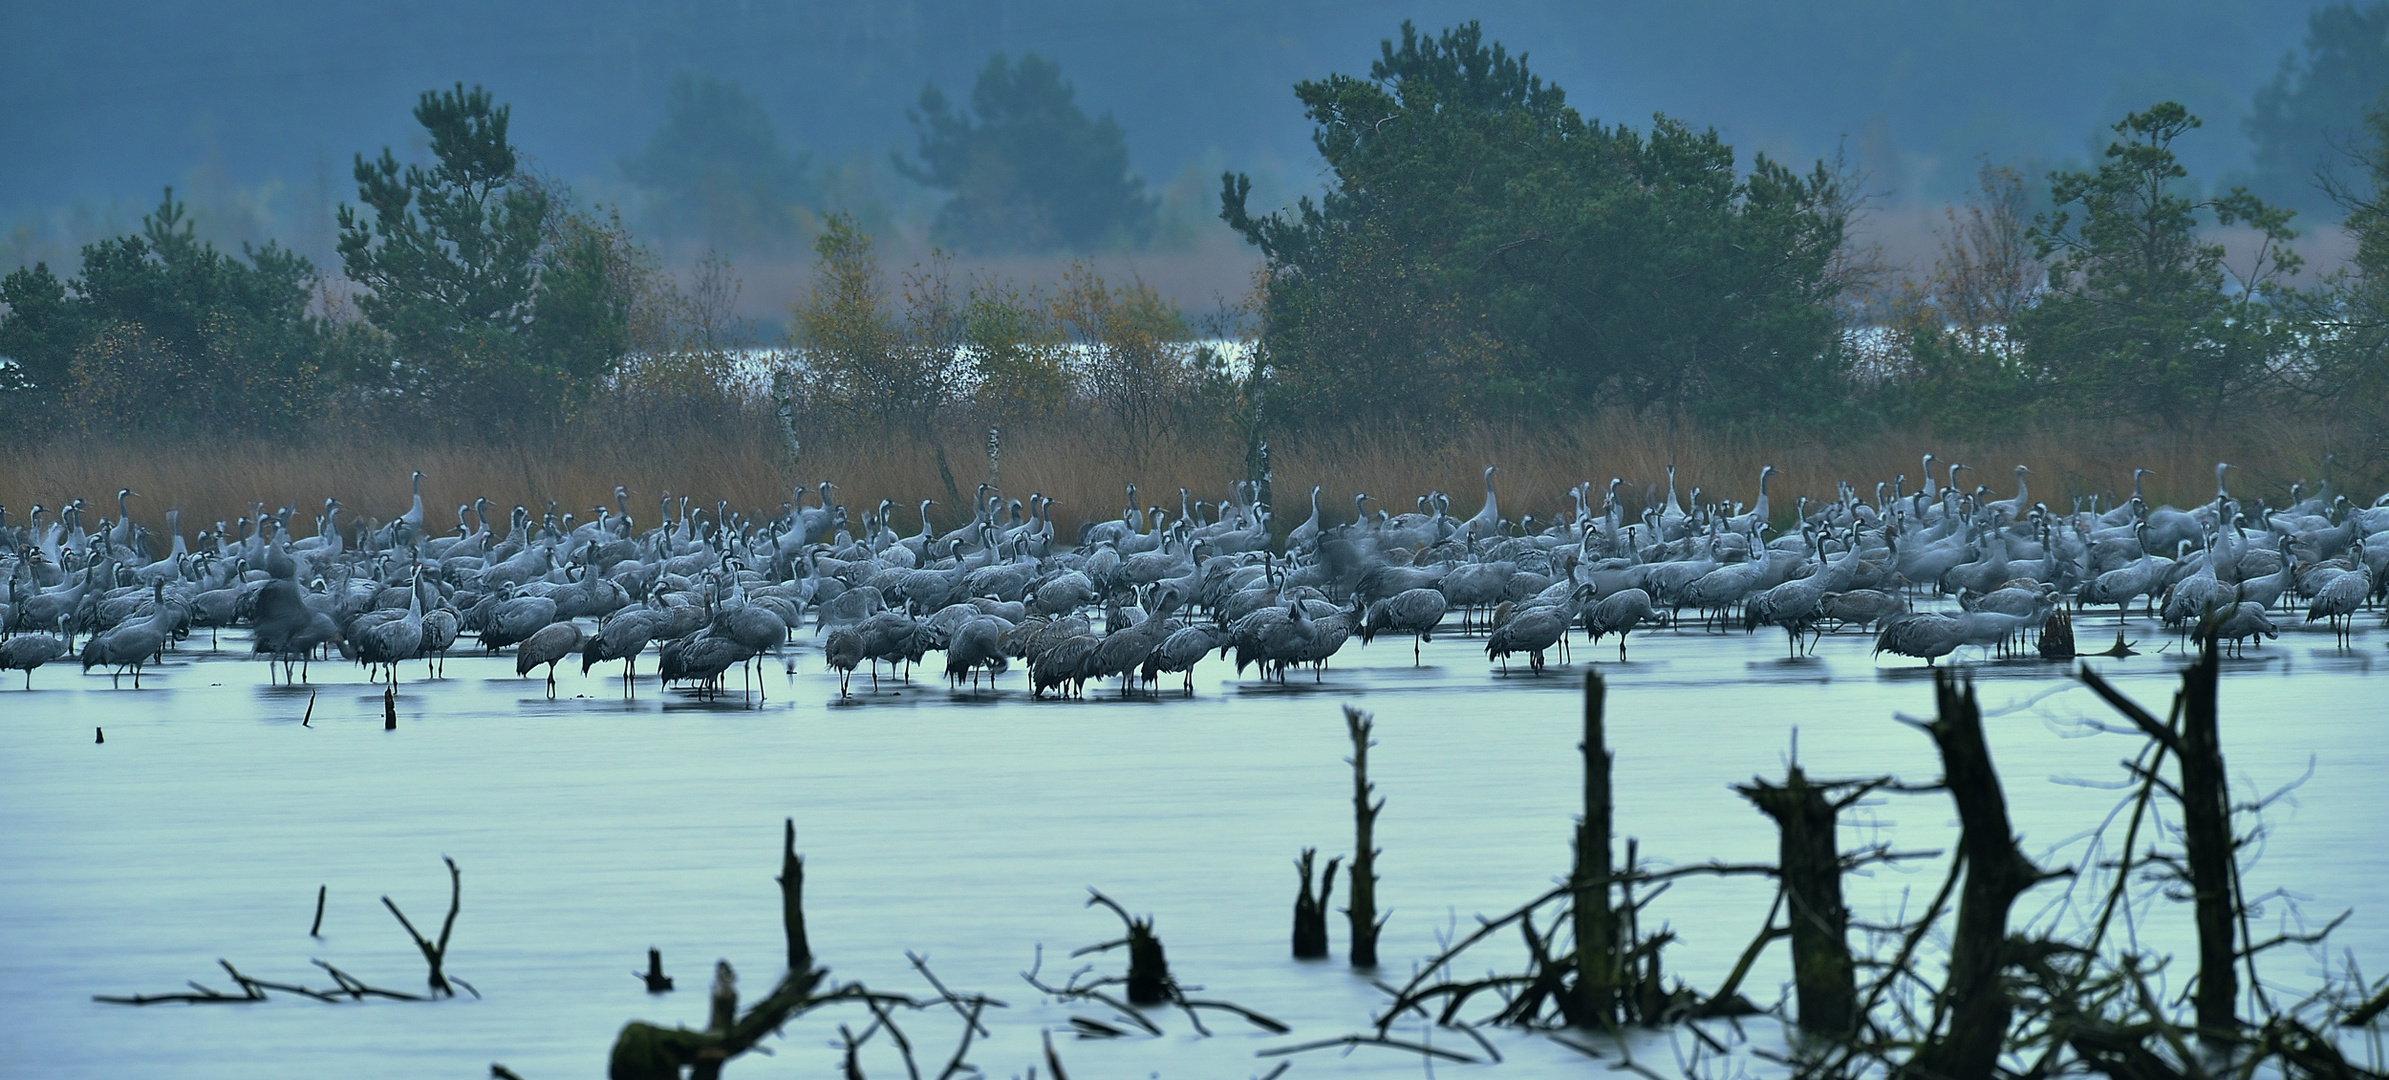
(741, 458)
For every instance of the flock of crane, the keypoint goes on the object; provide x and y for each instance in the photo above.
(1154, 592)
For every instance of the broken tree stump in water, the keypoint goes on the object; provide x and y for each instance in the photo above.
(645, 1051)
(1365, 921)
(1809, 862)
(1997, 872)
(2207, 843)
(1310, 912)
(1148, 978)
(721, 1014)
(657, 982)
(2057, 636)
(792, 901)
(2207, 846)
(1595, 926)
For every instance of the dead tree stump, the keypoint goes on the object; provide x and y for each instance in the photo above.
(1148, 978)
(792, 902)
(2057, 636)
(657, 982)
(645, 1051)
(1365, 921)
(1310, 912)
(1809, 861)
(2207, 847)
(1978, 1007)
(1148, 968)
(1595, 925)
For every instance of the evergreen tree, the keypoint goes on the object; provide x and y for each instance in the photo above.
(1483, 247)
(2142, 318)
(161, 332)
(715, 169)
(500, 305)
(2350, 329)
(1033, 172)
(2317, 103)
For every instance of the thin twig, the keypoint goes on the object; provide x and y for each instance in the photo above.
(1372, 1040)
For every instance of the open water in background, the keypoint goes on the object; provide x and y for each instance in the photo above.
(967, 826)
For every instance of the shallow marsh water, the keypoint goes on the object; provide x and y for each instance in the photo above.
(966, 826)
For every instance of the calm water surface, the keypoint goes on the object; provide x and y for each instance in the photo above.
(968, 827)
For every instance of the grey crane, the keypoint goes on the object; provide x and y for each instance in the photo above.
(386, 643)
(622, 637)
(1416, 612)
(1620, 613)
(25, 652)
(130, 644)
(2336, 603)
(1180, 651)
(843, 651)
(1531, 631)
(548, 645)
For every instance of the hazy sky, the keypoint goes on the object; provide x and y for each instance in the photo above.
(107, 100)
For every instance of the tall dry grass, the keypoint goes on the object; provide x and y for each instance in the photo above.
(740, 458)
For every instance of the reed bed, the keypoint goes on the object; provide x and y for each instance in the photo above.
(1084, 463)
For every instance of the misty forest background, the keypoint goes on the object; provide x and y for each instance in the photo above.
(712, 246)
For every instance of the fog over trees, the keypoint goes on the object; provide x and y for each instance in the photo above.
(727, 125)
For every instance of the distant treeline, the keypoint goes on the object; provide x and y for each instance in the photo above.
(1483, 255)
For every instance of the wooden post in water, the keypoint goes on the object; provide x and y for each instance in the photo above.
(390, 709)
(1596, 927)
(1365, 923)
